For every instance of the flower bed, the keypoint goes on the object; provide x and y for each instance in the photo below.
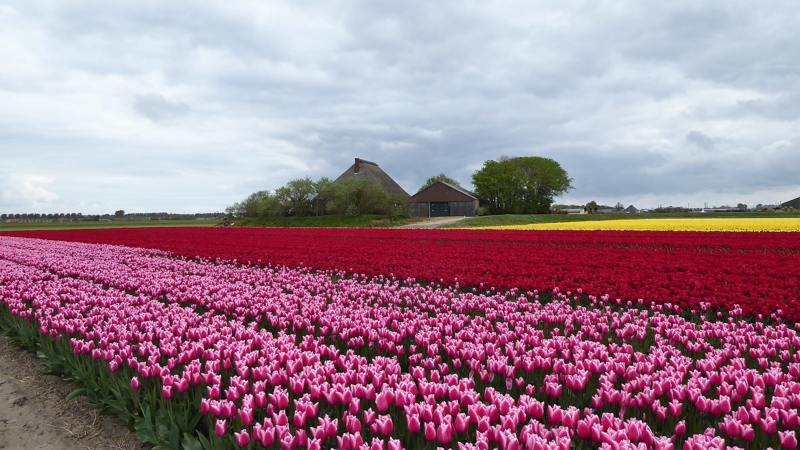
(782, 224)
(758, 271)
(196, 354)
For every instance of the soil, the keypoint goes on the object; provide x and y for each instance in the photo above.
(434, 222)
(34, 412)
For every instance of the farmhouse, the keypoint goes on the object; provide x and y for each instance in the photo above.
(793, 204)
(368, 170)
(631, 210)
(443, 199)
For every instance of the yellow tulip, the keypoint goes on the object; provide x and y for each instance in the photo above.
(689, 224)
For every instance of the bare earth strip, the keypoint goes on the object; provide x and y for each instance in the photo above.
(434, 222)
(35, 415)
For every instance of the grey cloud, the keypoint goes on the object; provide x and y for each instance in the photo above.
(700, 139)
(157, 108)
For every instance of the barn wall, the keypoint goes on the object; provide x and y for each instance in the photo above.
(419, 209)
(463, 208)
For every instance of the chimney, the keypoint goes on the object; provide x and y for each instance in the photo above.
(357, 166)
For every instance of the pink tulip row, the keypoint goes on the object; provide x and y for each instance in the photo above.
(298, 359)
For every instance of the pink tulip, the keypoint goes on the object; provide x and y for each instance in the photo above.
(413, 423)
(220, 428)
(242, 438)
(430, 431)
(788, 439)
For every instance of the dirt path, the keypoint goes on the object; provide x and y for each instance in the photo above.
(435, 222)
(35, 415)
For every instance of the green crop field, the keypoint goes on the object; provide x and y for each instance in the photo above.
(122, 223)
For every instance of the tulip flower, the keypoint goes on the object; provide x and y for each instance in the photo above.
(788, 439)
(220, 428)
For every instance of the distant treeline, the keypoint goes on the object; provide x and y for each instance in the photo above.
(75, 217)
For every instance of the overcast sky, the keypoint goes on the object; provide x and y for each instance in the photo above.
(190, 106)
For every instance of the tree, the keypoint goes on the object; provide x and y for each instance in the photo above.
(119, 213)
(591, 207)
(297, 196)
(251, 206)
(441, 177)
(522, 185)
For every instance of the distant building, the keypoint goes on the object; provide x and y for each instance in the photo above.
(443, 199)
(793, 204)
(631, 209)
(368, 170)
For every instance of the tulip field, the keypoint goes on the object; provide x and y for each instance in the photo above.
(781, 224)
(418, 339)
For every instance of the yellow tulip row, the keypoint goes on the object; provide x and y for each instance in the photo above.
(690, 224)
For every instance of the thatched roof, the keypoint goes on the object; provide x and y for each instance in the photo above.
(363, 169)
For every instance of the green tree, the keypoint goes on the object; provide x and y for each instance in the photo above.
(251, 206)
(355, 197)
(119, 213)
(522, 185)
(440, 177)
(591, 207)
(297, 196)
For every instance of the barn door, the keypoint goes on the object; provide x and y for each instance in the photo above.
(440, 209)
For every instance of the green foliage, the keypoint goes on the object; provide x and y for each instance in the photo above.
(523, 185)
(297, 197)
(305, 197)
(441, 177)
(352, 197)
(327, 221)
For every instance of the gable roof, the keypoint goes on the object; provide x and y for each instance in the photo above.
(631, 208)
(363, 169)
(441, 191)
(792, 203)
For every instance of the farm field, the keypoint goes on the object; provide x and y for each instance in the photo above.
(298, 338)
(505, 220)
(689, 224)
(723, 269)
(117, 223)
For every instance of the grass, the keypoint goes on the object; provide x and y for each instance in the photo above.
(525, 219)
(365, 221)
(121, 223)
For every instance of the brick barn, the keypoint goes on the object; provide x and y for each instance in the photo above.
(443, 199)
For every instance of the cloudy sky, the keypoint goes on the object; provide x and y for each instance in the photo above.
(190, 106)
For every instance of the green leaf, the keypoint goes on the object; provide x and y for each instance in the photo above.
(191, 443)
(76, 392)
(144, 427)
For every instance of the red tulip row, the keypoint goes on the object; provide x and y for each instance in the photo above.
(758, 271)
(286, 358)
